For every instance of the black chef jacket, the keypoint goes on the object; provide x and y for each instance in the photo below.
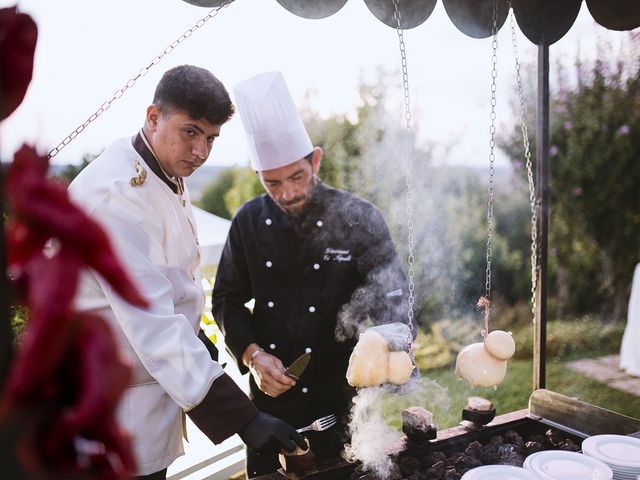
(336, 261)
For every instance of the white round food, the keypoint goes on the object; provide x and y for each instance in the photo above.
(479, 367)
(369, 361)
(400, 368)
(500, 344)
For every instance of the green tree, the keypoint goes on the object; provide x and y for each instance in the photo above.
(594, 178)
(213, 195)
(71, 171)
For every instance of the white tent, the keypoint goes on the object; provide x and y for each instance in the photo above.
(212, 234)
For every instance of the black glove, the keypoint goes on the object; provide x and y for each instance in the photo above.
(268, 434)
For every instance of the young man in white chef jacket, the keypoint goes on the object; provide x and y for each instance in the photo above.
(135, 189)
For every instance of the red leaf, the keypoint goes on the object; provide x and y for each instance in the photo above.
(18, 37)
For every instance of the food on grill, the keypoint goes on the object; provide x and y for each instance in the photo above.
(371, 363)
(298, 461)
(417, 425)
(480, 404)
(478, 367)
(479, 411)
(500, 344)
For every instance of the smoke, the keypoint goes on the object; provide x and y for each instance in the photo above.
(375, 420)
(371, 436)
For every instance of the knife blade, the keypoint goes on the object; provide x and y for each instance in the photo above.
(297, 367)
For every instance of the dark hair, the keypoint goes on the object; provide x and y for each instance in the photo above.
(196, 92)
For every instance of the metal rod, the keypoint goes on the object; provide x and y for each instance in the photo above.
(542, 201)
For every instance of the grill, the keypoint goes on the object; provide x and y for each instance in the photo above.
(561, 420)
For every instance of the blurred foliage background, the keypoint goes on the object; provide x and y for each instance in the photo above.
(594, 242)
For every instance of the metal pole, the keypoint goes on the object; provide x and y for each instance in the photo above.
(542, 202)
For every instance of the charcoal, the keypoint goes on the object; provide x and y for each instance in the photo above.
(365, 476)
(515, 439)
(451, 474)
(490, 454)
(394, 473)
(409, 465)
(417, 476)
(435, 457)
(474, 450)
(536, 437)
(509, 455)
(568, 445)
(436, 472)
(532, 447)
(554, 438)
(496, 440)
(465, 463)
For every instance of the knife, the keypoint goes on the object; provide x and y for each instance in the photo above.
(297, 367)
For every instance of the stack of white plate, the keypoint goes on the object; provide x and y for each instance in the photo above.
(501, 472)
(621, 453)
(562, 465)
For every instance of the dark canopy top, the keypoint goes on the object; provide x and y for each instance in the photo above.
(542, 21)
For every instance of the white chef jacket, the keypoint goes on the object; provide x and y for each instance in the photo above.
(153, 231)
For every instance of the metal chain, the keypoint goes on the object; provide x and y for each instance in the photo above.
(131, 82)
(492, 155)
(408, 137)
(535, 264)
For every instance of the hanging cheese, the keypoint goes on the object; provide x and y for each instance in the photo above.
(369, 361)
(400, 368)
(500, 344)
(478, 367)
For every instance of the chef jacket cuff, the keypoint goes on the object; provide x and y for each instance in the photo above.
(224, 411)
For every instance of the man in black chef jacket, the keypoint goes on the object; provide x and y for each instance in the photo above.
(319, 262)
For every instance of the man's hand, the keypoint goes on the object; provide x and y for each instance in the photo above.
(268, 434)
(268, 373)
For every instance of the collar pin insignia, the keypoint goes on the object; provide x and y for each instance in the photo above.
(141, 176)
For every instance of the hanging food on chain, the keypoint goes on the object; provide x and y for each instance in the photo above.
(383, 353)
(320, 264)
(485, 364)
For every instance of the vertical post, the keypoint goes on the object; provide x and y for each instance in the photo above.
(542, 202)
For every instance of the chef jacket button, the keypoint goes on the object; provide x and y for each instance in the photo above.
(305, 389)
(268, 221)
(269, 264)
(270, 304)
(307, 350)
(316, 266)
(319, 223)
(312, 309)
(272, 346)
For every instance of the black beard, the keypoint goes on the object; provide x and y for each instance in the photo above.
(298, 214)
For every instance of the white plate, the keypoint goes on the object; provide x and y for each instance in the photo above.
(615, 450)
(562, 465)
(503, 472)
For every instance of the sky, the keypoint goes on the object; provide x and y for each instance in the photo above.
(89, 49)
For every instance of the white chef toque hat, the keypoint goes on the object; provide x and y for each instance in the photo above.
(275, 132)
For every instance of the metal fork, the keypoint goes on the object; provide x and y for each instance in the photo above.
(320, 424)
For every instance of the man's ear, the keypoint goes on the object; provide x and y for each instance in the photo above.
(153, 116)
(316, 158)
